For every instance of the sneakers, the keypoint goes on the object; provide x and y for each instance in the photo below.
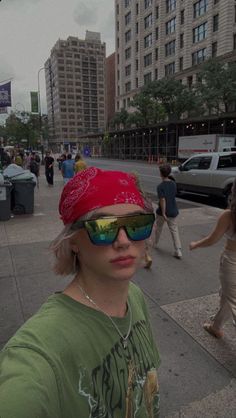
(178, 254)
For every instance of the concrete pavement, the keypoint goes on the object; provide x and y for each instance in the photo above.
(197, 374)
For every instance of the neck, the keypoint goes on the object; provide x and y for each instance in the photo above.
(110, 297)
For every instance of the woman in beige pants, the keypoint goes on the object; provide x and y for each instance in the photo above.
(226, 226)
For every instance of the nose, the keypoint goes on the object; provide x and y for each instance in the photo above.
(122, 238)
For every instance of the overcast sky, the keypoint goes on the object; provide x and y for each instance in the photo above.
(30, 28)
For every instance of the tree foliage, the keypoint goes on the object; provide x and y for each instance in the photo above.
(217, 86)
(22, 126)
(174, 97)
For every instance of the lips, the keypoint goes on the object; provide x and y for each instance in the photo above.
(123, 261)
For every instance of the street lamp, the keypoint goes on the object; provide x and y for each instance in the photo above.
(39, 105)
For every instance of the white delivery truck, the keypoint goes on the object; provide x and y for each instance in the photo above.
(195, 144)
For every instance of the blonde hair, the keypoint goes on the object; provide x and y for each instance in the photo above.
(65, 259)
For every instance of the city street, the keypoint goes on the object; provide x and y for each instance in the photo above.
(197, 372)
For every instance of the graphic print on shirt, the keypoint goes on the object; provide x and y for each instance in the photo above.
(126, 380)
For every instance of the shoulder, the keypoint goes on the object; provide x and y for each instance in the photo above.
(224, 221)
(225, 216)
(136, 294)
(42, 331)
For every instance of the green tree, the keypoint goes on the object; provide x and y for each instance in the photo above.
(148, 111)
(120, 118)
(217, 86)
(173, 96)
(23, 126)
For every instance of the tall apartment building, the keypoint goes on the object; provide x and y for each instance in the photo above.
(158, 38)
(75, 88)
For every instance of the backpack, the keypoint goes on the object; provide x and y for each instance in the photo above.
(34, 167)
(37, 158)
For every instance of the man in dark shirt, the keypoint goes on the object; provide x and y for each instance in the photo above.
(167, 210)
(49, 160)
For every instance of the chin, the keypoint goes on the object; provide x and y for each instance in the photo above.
(125, 275)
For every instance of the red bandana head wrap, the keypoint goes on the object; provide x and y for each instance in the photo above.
(93, 188)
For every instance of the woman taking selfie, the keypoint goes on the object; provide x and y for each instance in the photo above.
(89, 351)
(226, 226)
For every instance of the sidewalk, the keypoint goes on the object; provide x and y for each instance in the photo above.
(197, 374)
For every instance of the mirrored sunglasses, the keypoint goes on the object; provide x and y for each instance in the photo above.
(104, 230)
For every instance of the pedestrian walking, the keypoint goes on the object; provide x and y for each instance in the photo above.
(34, 167)
(225, 226)
(67, 168)
(80, 164)
(89, 351)
(167, 210)
(49, 170)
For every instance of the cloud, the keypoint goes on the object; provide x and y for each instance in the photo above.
(6, 70)
(85, 14)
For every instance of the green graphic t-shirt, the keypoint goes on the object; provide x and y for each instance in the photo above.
(68, 361)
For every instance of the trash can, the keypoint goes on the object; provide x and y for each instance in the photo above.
(5, 201)
(22, 197)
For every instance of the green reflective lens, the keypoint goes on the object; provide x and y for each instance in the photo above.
(104, 231)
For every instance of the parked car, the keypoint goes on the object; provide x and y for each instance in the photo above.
(209, 174)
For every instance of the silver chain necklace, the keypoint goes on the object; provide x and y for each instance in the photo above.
(124, 338)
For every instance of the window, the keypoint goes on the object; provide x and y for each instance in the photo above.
(200, 33)
(157, 12)
(156, 54)
(127, 36)
(117, 26)
(118, 74)
(157, 33)
(136, 27)
(127, 53)
(200, 8)
(136, 82)
(147, 3)
(170, 69)
(127, 87)
(181, 63)
(181, 41)
(148, 40)
(148, 21)
(128, 70)
(182, 17)
(214, 50)
(197, 163)
(234, 41)
(199, 56)
(147, 78)
(170, 48)
(128, 18)
(136, 46)
(156, 73)
(215, 23)
(170, 26)
(137, 10)
(147, 59)
(136, 65)
(228, 161)
(170, 5)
